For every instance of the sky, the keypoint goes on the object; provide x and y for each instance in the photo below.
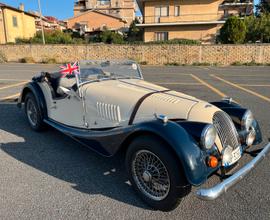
(61, 9)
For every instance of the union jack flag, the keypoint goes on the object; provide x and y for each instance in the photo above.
(69, 69)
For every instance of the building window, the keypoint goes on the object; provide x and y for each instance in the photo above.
(14, 21)
(177, 10)
(226, 13)
(161, 11)
(161, 36)
(104, 2)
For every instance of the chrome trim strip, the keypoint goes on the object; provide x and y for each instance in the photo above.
(215, 191)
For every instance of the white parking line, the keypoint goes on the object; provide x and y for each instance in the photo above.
(14, 96)
(13, 85)
(241, 88)
(175, 83)
(209, 86)
(13, 80)
(255, 85)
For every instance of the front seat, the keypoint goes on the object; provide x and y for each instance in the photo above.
(56, 81)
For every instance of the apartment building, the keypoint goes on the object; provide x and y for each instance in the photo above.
(15, 23)
(124, 9)
(94, 21)
(188, 19)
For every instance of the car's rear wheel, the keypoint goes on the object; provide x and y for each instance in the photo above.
(33, 113)
(155, 173)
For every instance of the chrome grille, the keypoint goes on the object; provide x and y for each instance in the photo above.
(225, 129)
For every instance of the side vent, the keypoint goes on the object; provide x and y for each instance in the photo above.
(109, 111)
(166, 98)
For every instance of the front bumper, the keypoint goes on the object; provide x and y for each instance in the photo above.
(215, 191)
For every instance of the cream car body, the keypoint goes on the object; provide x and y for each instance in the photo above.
(109, 106)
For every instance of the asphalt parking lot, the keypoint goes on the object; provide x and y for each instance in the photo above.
(49, 176)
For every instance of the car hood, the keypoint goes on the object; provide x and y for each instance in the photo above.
(111, 103)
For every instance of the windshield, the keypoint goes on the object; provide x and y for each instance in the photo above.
(99, 70)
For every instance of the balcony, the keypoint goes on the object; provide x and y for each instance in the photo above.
(237, 3)
(187, 18)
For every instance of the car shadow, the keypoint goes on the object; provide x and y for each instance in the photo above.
(59, 156)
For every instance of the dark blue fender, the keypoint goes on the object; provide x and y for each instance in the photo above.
(184, 146)
(191, 156)
(37, 92)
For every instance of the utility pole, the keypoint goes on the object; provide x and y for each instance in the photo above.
(41, 22)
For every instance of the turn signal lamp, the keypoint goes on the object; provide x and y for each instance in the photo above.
(212, 162)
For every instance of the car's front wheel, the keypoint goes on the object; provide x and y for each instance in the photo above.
(33, 113)
(155, 173)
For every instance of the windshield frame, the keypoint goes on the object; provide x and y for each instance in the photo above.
(112, 77)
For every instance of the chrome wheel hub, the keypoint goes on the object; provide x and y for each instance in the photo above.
(147, 177)
(150, 175)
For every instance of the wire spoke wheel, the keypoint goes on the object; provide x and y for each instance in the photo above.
(31, 111)
(150, 175)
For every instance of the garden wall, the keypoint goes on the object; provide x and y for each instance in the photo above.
(160, 54)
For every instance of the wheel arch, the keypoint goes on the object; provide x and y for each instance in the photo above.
(182, 146)
(137, 134)
(34, 88)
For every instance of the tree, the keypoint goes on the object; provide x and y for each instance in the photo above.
(263, 7)
(265, 27)
(233, 31)
(253, 29)
(134, 32)
(258, 28)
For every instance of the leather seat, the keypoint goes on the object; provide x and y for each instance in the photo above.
(57, 80)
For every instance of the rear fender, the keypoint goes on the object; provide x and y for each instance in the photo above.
(35, 89)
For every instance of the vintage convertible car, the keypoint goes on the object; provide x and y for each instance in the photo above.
(171, 141)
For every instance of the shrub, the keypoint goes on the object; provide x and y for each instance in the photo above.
(53, 37)
(143, 63)
(251, 63)
(233, 31)
(3, 58)
(172, 64)
(237, 63)
(202, 64)
(27, 60)
(179, 41)
(22, 41)
(173, 41)
(110, 37)
(49, 61)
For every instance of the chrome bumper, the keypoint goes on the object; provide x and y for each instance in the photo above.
(217, 190)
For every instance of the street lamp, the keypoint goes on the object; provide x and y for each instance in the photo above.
(41, 22)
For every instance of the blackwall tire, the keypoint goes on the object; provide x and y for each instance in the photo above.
(33, 114)
(160, 182)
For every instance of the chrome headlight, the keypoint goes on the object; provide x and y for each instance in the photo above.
(208, 136)
(247, 120)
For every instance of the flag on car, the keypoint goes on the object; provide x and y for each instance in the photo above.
(69, 69)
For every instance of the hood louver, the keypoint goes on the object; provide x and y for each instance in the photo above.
(109, 111)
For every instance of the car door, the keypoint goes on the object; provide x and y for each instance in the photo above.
(68, 111)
